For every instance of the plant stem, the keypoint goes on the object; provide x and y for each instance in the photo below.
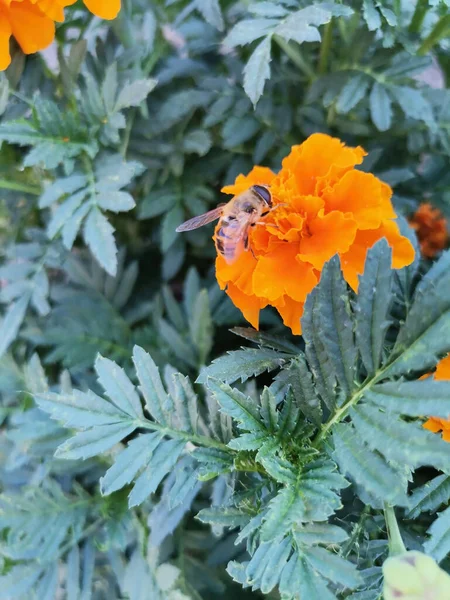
(439, 31)
(418, 16)
(199, 440)
(325, 47)
(296, 56)
(16, 186)
(396, 545)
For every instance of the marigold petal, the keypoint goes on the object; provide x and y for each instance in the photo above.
(32, 29)
(5, 34)
(54, 9)
(442, 372)
(329, 234)
(316, 156)
(240, 272)
(363, 195)
(291, 312)
(249, 305)
(257, 175)
(432, 424)
(352, 262)
(105, 9)
(279, 272)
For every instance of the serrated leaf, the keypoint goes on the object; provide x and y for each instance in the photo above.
(333, 567)
(353, 92)
(424, 337)
(198, 142)
(210, 10)
(64, 212)
(170, 222)
(12, 320)
(413, 103)
(331, 305)
(158, 403)
(129, 462)
(72, 225)
(430, 496)
(366, 467)
(380, 107)
(301, 26)
(438, 544)
(284, 511)
(399, 441)
(115, 201)
(249, 30)
(99, 236)
(320, 533)
(371, 15)
(372, 308)
(118, 387)
(412, 398)
(162, 461)
(242, 364)
(201, 326)
(257, 71)
(94, 441)
(237, 405)
(134, 93)
(79, 409)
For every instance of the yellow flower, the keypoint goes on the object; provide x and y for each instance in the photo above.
(322, 206)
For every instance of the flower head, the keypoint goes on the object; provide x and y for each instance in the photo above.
(431, 228)
(435, 424)
(322, 206)
(31, 22)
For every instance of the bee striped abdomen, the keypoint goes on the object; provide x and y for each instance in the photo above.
(228, 239)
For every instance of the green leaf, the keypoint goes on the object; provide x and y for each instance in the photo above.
(399, 441)
(210, 10)
(98, 234)
(413, 103)
(116, 201)
(257, 70)
(237, 405)
(201, 326)
(64, 212)
(353, 92)
(95, 441)
(129, 462)
(372, 308)
(320, 533)
(333, 567)
(424, 336)
(371, 15)
(284, 511)
(367, 468)
(310, 585)
(12, 320)
(380, 107)
(134, 93)
(162, 461)
(198, 142)
(430, 496)
(301, 26)
(331, 306)
(412, 398)
(238, 130)
(157, 402)
(170, 222)
(80, 409)
(242, 364)
(249, 30)
(438, 544)
(118, 387)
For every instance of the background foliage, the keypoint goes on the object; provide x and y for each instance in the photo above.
(131, 466)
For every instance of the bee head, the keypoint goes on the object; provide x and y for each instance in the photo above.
(263, 192)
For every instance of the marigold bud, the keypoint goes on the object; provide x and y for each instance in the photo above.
(414, 576)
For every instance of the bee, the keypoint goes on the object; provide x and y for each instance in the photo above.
(235, 219)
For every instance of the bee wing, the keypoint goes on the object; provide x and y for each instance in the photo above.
(201, 220)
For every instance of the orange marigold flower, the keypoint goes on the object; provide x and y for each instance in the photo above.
(322, 206)
(31, 22)
(436, 424)
(431, 228)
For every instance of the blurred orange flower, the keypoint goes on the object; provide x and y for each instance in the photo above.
(31, 22)
(431, 228)
(323, 206)
(435, 424)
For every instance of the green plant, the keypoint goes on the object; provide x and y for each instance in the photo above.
(144, 453)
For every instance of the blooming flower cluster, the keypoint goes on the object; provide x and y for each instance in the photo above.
(32, 22)
(435, 424)
(322, 206)
(431, 229)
